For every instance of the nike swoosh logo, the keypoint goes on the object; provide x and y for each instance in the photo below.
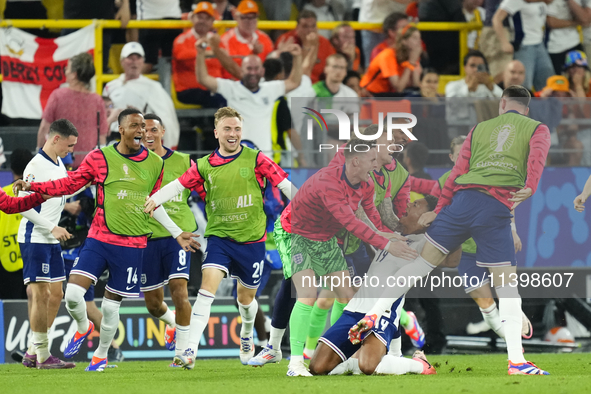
(129, 288)
(197, 314)
(180, 269)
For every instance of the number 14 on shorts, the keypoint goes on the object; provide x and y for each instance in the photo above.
(131, 278)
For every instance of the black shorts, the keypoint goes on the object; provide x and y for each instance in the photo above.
(156, 40)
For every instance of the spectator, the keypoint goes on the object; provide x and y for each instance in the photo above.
(528, 47)
(281, 123)
(79, 105)
(563, 18)
(415, 158)
(477, 82)
(352, 80)
(343, 40)
(11, 263)
(473, 12)
(443, 47)
(252, 98)
(245, 39)
(112, 116)
(490, 44)
(375, 11)
(224, 9)
(514, 74)
(98, 9)
(324, 13)
(576, 70)
(132, 89)
(392, 25)
(306, 25)
(429, 84)
(188, 90)
(396, 69)
(155, 41)
(335, 73)
(587, 28)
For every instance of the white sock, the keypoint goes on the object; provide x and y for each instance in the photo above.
(76, 306)
(275, 337)
(492, 317)
(168, 318)
(109, 324)
(296, 359)
(511, 321)
(182, 339)
(391, 365)
(248, 314)
(395, 347)
(41, 344)
(199, 318)
(263, 343)
(351, 365)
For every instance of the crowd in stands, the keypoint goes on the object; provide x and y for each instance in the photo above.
(534, 43)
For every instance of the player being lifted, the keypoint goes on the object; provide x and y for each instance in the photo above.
(233, 177)
(305, 235)
(125, 174)
(335, 349)
(491, 177)
(165, 261)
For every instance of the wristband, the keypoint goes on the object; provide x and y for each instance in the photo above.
(408, 65)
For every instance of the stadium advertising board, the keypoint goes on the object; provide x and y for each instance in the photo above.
(140, 335)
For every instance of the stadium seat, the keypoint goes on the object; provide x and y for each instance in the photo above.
(175, 100)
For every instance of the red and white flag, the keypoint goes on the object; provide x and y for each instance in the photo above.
(33, 67)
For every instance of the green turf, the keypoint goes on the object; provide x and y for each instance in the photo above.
(482, 374)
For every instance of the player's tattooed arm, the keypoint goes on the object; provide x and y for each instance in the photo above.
(386, 211)
(361, 215)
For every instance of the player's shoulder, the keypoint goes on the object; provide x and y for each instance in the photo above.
(153, 156)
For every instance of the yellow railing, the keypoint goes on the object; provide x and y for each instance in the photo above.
(101, 78)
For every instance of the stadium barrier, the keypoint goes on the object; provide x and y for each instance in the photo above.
(221, 26)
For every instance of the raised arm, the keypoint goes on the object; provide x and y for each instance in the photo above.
(201, 72)
(226, 60)
(295, 77)
(75, 180)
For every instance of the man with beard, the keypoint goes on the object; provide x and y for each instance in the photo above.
(253, 99)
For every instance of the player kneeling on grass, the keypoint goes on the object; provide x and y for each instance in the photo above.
(231, 181)
(380, 349)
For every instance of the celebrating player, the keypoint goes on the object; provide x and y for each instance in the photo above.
(487, 182)
(477, 283)
(39, 236)
(165, 262)
(335, 348)
(305, 235)
(230, 180)
(125, 174)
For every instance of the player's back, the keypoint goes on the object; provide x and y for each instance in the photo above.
(383, 266)
(41, 169)
(327, 190)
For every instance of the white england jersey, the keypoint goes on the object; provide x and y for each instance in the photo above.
(384, 265)
(38, 222)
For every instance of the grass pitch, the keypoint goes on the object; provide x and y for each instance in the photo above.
(479, 374)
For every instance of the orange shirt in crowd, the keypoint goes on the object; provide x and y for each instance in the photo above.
(239, 48)
(377, 49)
(183, 63)
(383, 66)
(325, 49)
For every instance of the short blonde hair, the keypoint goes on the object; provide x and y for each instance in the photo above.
(225, 112)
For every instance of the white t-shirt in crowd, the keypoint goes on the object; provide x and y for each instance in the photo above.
(376, 11)
(459, 88)
(256, 108)
(562, 39)
(46, 216)
(158, 9)
(149, 97)
(471, 16)
(533, 19)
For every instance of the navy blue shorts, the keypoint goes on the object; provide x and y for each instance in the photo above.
(164, 259)
(482, 217)
(358, 262)
(244, 262)
(337, 336)
(42, 263)
(69, 258)
(475, 276)
(124, 265)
